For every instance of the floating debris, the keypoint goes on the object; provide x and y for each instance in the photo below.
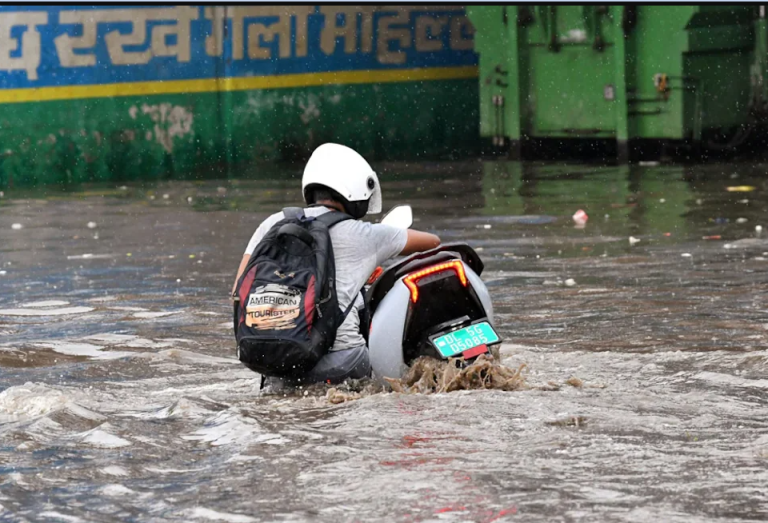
(740, 188)
(686, 255)
(573, 421)
(16, 226)
(92, 225)
(741, 220)
(570, 282)
(713, 237)
(633, 240)
(429, 375)
(573, 381)
(580, 218)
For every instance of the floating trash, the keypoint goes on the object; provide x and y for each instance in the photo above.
(428, 375)
(633, 240)
(580, 217)
(91, 225)
(17, 226)
(741, 220)
(686, 255)
(713, 237)
(570, 282)
(740, 188)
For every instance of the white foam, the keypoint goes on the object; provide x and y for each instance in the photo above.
(242, 458)
(728, 379)
(89, 256)
(18, 479)
(129, 340)
(114, 470)
(102, 299)
(171, 471)
(186, 356)
(84, 349)
(46, 312)
(181, 408)
(58, 515)
(115, 489)
(228, 427)
(30, 400)
(212, 515)
(46, 303)
(102, 439)
(149, 315)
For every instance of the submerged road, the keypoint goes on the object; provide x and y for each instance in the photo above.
(121, 399)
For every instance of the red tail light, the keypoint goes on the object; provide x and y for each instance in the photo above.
(411, 280)
(374, 275)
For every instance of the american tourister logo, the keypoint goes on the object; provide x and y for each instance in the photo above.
(273, 307)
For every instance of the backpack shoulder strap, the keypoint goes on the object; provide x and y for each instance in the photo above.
(348, 309)
(329, 219)
(293, 212)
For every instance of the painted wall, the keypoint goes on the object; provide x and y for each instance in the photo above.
(108, 93)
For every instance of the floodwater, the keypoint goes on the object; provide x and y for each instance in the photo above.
(121, 400)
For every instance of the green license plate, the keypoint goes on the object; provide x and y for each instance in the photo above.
(464, 339)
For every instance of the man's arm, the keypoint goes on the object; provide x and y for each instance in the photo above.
(419, 241)
(240, 270)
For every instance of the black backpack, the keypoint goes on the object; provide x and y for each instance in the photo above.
(286, 309)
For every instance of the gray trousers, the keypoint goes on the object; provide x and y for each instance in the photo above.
(335, 367)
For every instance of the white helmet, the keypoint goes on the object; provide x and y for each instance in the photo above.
(343, 170)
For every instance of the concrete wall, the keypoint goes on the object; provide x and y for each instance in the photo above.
(115, 93)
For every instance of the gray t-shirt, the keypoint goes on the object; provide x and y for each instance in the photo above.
(358, 247)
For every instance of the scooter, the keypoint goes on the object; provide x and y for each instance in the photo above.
(431, 303)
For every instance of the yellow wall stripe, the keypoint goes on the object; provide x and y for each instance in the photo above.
(74, 92)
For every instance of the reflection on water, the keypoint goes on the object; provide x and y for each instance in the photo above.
(120, 398)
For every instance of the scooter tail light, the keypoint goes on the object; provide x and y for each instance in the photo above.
(411, 281)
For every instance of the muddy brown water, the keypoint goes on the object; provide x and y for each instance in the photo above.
(121, 400)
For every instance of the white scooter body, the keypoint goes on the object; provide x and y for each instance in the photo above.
(388, 323)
